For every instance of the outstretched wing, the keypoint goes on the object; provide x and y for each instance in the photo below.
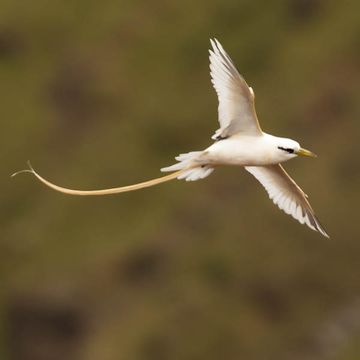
(286, 194)
(236, 99)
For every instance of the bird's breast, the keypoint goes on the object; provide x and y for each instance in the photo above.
(243, 152)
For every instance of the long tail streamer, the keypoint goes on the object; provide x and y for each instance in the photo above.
(115, 190)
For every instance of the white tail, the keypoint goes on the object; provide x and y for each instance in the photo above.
(103, 191)
(191, 166)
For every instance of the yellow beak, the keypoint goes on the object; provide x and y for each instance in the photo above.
(304, 152)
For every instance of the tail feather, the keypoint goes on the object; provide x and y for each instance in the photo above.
(116, 190)
(192, 165)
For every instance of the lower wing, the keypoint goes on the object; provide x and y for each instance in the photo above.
(286, 194)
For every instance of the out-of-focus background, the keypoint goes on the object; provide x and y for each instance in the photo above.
(102, 94)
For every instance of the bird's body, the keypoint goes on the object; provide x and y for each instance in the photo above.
(246, 150)
(239, 141)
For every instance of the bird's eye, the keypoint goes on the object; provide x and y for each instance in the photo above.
(289, 150)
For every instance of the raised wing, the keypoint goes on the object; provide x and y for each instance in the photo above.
(286, 194)
(236, 99)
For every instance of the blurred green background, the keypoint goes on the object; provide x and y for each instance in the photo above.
(101, 94)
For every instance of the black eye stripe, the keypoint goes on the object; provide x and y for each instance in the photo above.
(290, 151)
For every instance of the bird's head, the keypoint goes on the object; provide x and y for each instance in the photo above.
(287, 149)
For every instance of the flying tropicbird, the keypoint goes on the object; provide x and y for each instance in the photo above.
(239, 141)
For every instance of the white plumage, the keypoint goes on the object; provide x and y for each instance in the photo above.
(239, 141)
(242, 142)
(236, 98)
(286, 194)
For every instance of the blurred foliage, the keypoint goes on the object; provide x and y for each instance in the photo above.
(101, 94)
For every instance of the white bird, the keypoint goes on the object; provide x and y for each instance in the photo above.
(239, 141)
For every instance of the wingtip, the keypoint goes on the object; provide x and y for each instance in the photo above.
(320, 228)
(324, 233)
(215, 43)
